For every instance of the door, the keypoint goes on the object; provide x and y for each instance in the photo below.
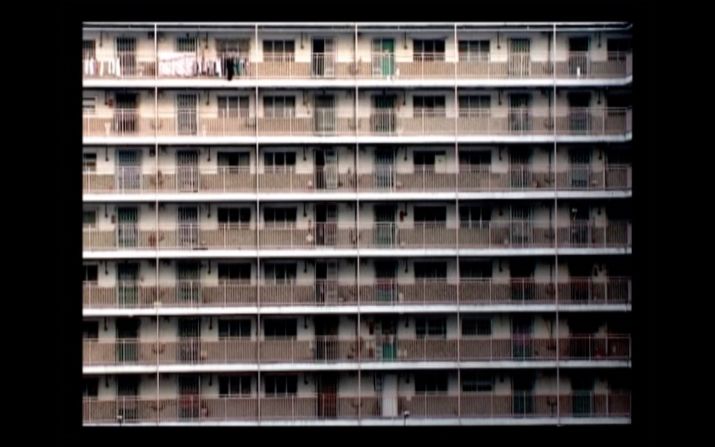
(128, 170)
(127, 397)
(324, 113)
(189, 396)
(127, 288)
(519, 118)
(187, 170)
(522, 279)
(326, 281)
(579, 113)
(521, 330)
(386, 284)
(519, 169)
(186, 113)
(578, 57)
(188, 222)
(323, 59)
(383, 116)
(189, 340)
(582, 396)
(521, 225)
(523, 397)
(188, 284)
(327, 395)
(579, 225)
(387, 346)
(580, 167)
(385, 227)
(127, 231)
(383, 57)
(326, 334)
(127, 331)
(326, 168)
(386, 386)
(384, 168)
(581, 284)
(127, 54)
(125, 113)
(519, 59)
(326, 224)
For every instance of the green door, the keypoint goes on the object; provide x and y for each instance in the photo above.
(383, 57)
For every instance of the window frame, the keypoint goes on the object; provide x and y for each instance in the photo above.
(472, 50)
(280, 328)
(433, 328)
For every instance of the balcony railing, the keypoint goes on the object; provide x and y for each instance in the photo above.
(320, 349)
(471, 178)
(385, 65)
(316, 407)
(594, 121)
(384, 292)
(514, 234)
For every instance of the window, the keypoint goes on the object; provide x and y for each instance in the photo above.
(429, 106)
(430, 270)
(232, 106)
(425, 160)
(475, 161)
(233, 159)
(234, 386)
(90, 386)
(238, 217)
(89, 162)
(280, 327)
(473, 382)
(428, 50)
(431, 382)
(430, 214)
(474, 50)
(284, 217)
(88, 105)
(473, 106)
(474, 216)
(278, 50)
(279, 106)
(475, 269)
(127, 385)
(232, 47)
(476, 326)
(89, 219)
(89, 274)
(431, 327)
(618, 48)
(234, 272)
(234, 328)
(88, 49)
(90, 330)
(281, 385)
(186, 44)
(279, 272)
(278, 160)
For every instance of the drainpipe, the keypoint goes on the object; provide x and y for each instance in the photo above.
(456, 193)
(357, 227)
(258, 244)
(157, 302)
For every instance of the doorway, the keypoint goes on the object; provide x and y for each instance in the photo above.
(189, 331)
(127, 231)
(323, 62)
(385, 168)
(188, 222)
(326, 282)
(125, 113)
(324, 106)
(385, 227)
(578, 57)
(186, 109)
(326, 224)
(128, 170)
(326, 334)
(579, 113)
(383, 116)
(327, 387)
(326, 168)
(187, 170)
(519, 58)
(127, 333)
(127, 285)
(519, 118)
(383, 57)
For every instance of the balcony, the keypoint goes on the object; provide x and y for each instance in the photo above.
(332, 349)
(382, 292)
(594, 121)
(495, 234)
(322, 407)
(471, 178)
(376, 65)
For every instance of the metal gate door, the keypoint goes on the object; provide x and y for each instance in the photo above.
(127, 231)
(188, 222)
(127, 289)
(186, 120)
(384, 169)
(126, 54)
(187, 286)
(187, 171)
(579, 167)
(128, 170)
(519, 57)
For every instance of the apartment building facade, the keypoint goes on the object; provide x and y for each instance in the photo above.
(357, 223)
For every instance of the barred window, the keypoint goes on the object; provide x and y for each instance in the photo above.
(234, 386)
(428, 50)
(474, 50)
(88, 49)
(186, 44)
(282, 385)
(474, 105)
(431, 327)
(429, 106)
(234, 328)
(278, 50)
(279, 106)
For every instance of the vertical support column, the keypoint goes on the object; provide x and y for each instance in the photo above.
(258, 239)
(357, 231)
(456, 194)
(157, 299)
(556, 231)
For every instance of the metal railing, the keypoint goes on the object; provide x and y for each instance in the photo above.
(326, 406)
(320, 349)
(384, 292)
